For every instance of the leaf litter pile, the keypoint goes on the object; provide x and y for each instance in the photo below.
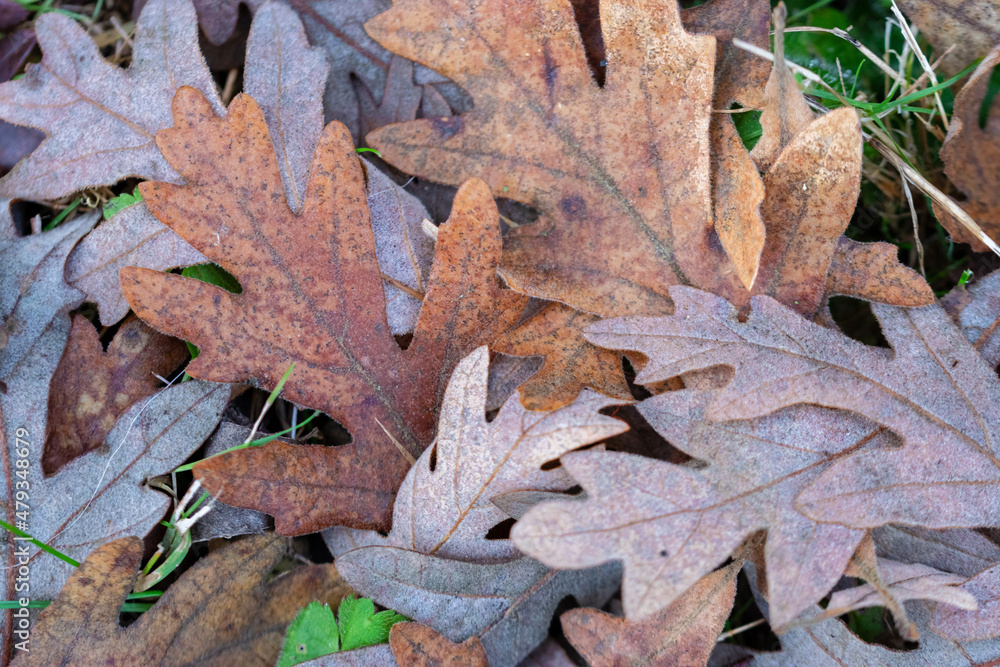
(516, 332)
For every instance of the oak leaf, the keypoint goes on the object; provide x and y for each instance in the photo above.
(976, 310)
(92, 388)
(973, 624)
(101, 495)
(222, 611)
(957, 550)
(933, 390)
(831, 642)
(970, 28)
(438, 565)
(416, 645)
(535, 96)
(313, 295)
(671, 524)
(970, 153)
(682, 634)
(100, 120)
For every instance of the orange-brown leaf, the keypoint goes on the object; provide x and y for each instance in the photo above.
(870, 271)
(312, 294)
(969, 27)
(739, 75)
(682, 634)
(971, 154)
(220, 612)
(621, 173)
(92, 388)
(416, 645)
(785, 111)
(810, 194)
(571, 363)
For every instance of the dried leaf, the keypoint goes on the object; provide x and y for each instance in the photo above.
(737, 190)
(974, 624)
(739, 75)
(14, 49)
(100, 120)
(133, 237)
(286, 78)
(682, 634)
(811, 191)
(509, 606)
(217, 18)
(832, 643)
(92, 388)
(737, 193)
(220, 612)
(935, 392)
(902, 582)
(298, 305)
(976, 310)
(972, 27)
(671, 524)
(403, 250)
(549, 654)
(437, 565)
(785, 111)
(379, 654)
(225, 520)
(570, 363)
(417, 645)
(12, 13)
(970, 155)
(443, 507)
(958, 550)
(871, 271)
(507, 373)
(537, 105)
(399, 101)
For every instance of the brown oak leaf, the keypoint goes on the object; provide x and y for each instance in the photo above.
(619, 226)
(970, 155)
(92, 388)
(682, 634)
(222, 611)
(312, 294)
(416, 645)
(969, 27)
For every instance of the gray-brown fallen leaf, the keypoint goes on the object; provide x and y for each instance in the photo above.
(437, 566)
(976, 310)
(672, 524)
(970, 28)
(101, 121)
(973, 624)
(935, 392)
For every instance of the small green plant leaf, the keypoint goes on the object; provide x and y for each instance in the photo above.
(312, 634)
(360, 626)
(122, 201)
(213, 274)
